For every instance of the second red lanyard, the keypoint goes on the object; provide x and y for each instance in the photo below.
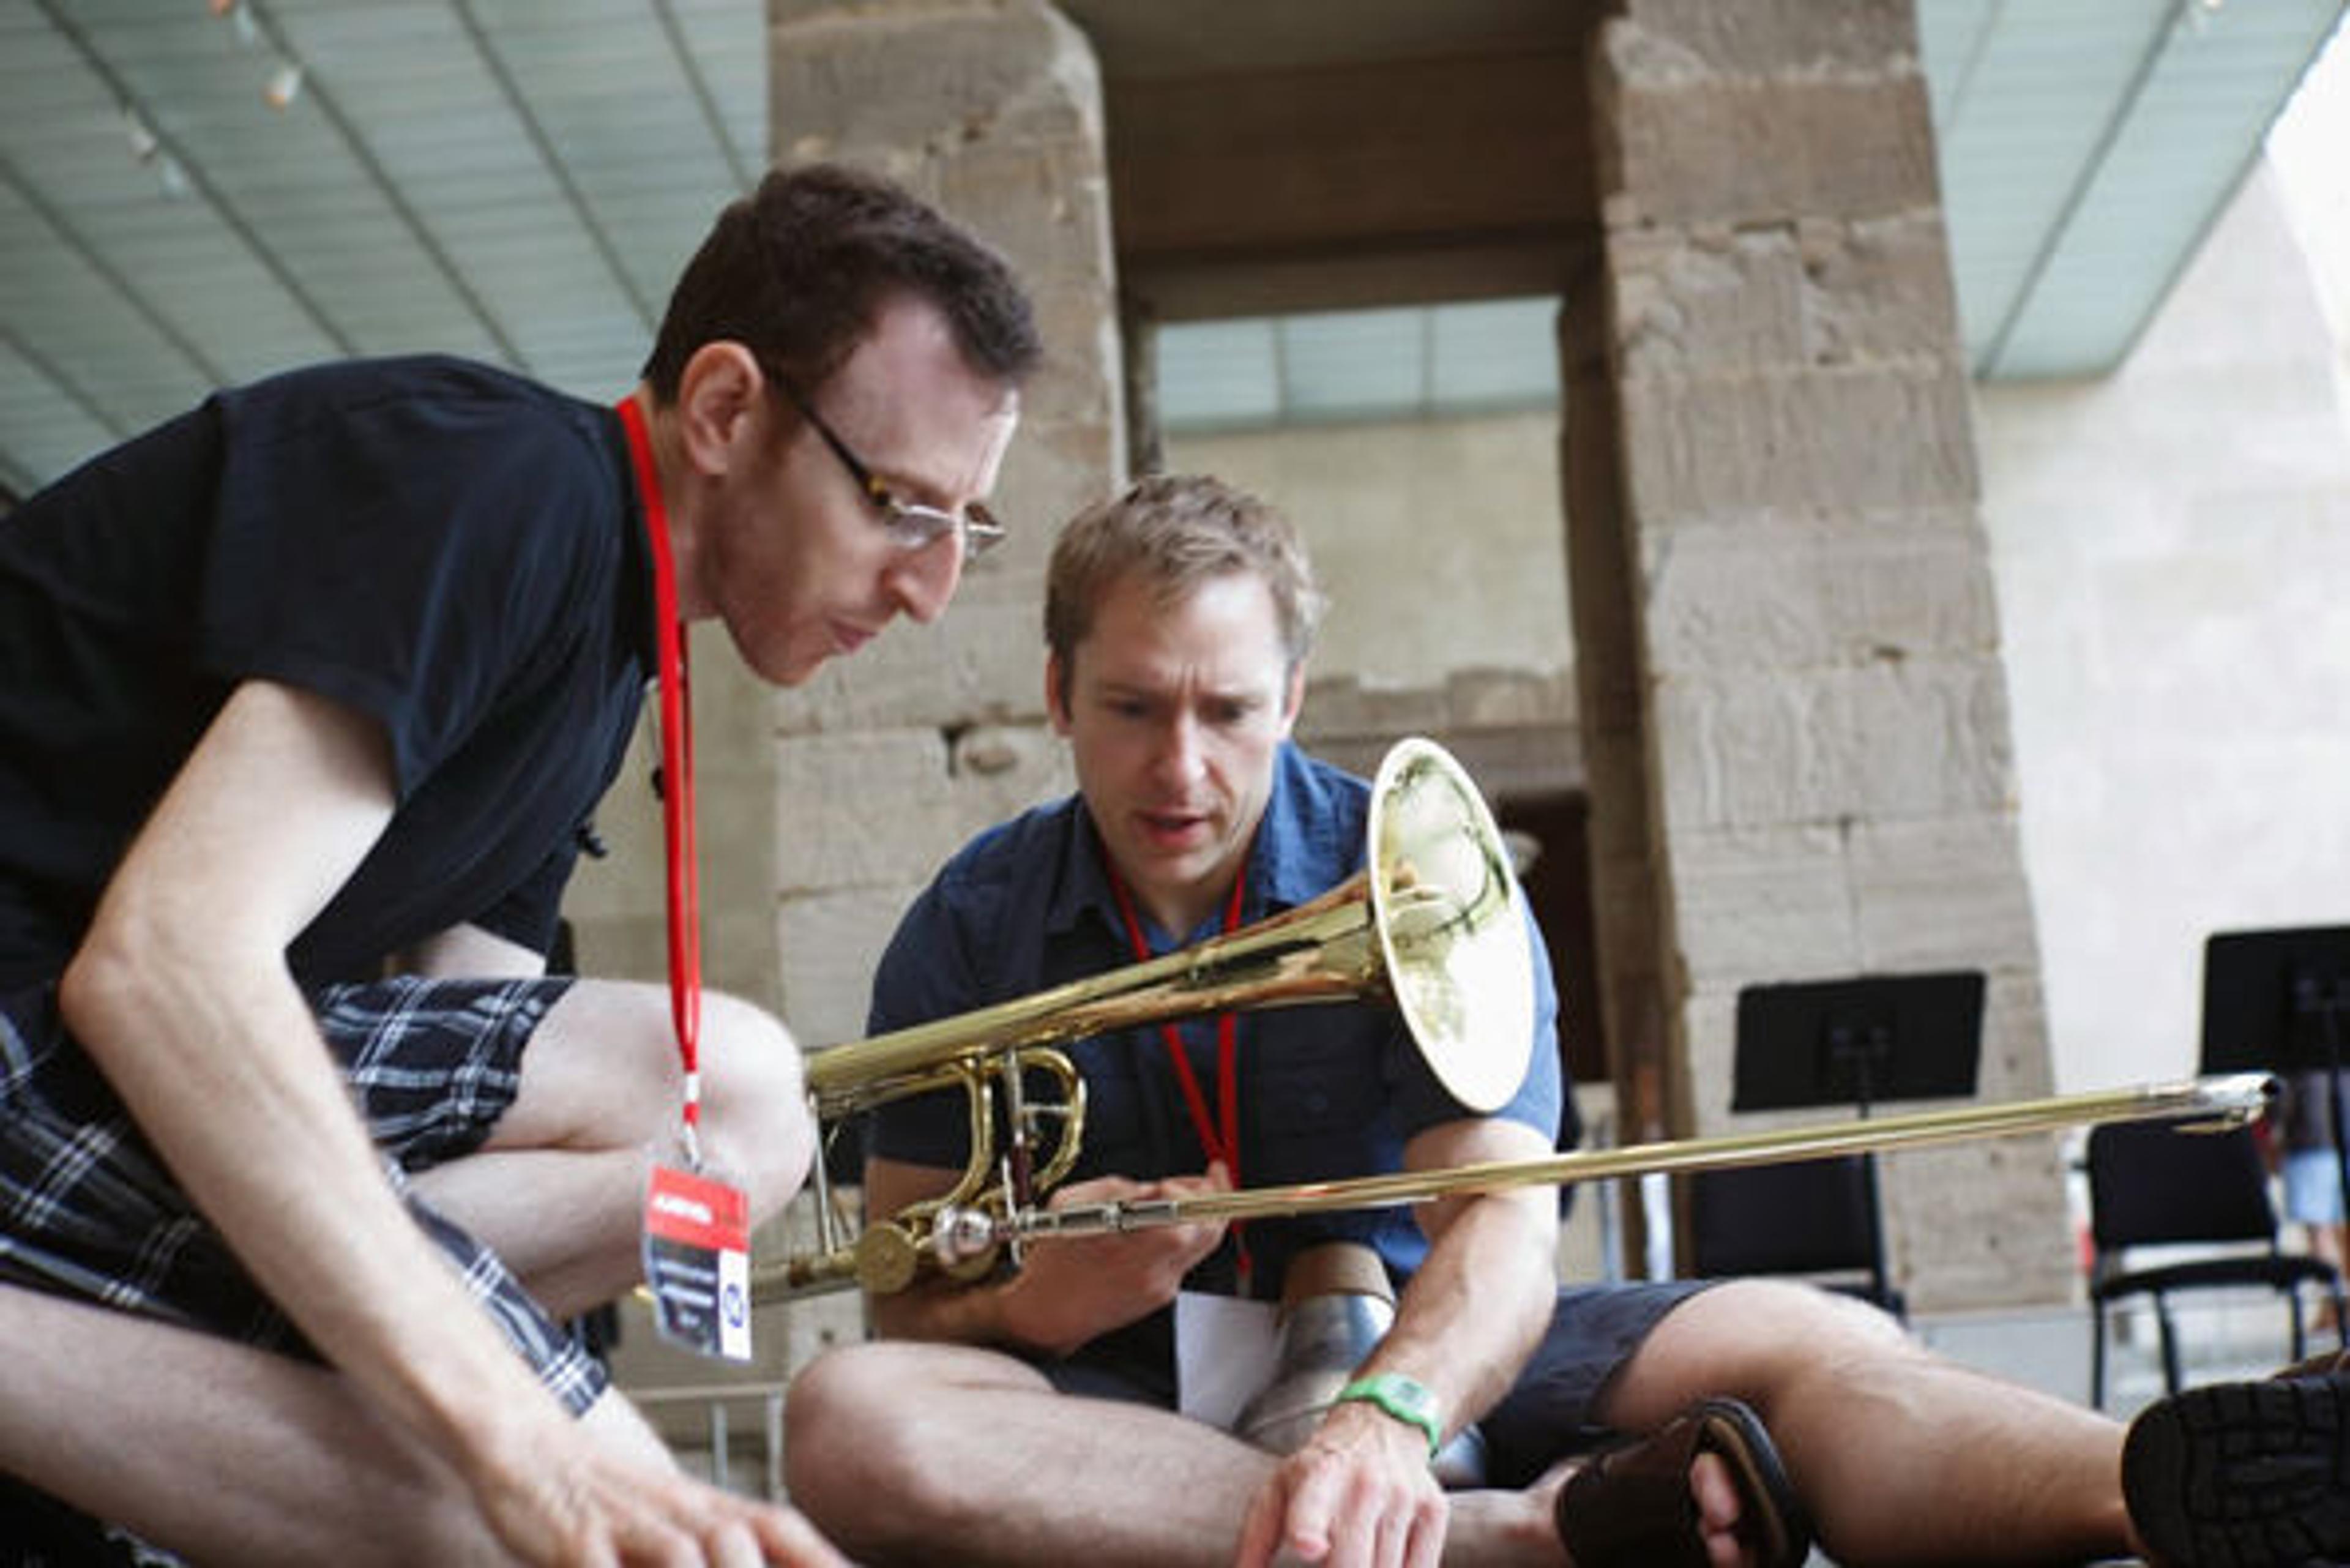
(1219, 1136)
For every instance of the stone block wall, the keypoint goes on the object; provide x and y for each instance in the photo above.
(1790, 640)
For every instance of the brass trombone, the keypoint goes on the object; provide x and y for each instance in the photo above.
(1434, 924)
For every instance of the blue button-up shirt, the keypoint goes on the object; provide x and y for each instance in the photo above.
(1325, 1091)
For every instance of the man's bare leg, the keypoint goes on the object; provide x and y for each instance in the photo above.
(910, 1453)
(558, 1191)
(227, 1454)
(223, 1451)
(1901, 1456)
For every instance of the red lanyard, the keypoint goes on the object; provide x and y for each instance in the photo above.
(677, 782)
(1226, 1146)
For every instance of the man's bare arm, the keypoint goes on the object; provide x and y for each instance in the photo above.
(1474, 1311)
(181, 995)
(469, 952)
(1464, 1327)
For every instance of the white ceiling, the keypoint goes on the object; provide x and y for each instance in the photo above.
(519, 180)
(2086, 146)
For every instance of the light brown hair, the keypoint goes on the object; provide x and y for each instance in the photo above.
(1175, 531)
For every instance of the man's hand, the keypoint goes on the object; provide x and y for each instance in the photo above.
(1359, 1492)
(574, 1500)
(1073, 1290)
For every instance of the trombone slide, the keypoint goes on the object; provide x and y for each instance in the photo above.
(962, 1233)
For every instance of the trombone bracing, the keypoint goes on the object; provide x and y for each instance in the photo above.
(1434, 925)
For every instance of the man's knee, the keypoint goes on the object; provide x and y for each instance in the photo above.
(1804, 1318)
(1754, 1339)
(875, 1436)
(847, 1458)
(603, 1072)
(759, 1125)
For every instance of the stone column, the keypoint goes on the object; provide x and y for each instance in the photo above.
(889, 761)
(1797, 717)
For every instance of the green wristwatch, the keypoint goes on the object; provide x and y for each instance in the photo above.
(1406, 1398)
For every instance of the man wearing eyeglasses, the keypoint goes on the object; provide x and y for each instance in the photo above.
(305, 699)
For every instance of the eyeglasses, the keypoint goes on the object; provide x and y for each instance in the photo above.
(910, 525)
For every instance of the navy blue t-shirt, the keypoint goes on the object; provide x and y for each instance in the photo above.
(452, 550)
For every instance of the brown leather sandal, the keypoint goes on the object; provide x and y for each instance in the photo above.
(1630, 1506)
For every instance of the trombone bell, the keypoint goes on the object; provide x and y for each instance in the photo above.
(1434, 923)
(1452, 925)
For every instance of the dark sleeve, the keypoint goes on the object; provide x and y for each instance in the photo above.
(410, 556)
(926, 973)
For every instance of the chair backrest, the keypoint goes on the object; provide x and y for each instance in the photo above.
(1804, 1217)
(2150, 1183)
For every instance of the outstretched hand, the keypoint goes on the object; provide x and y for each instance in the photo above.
(586, 1506)
(1073, 1290)
(1359, 1492)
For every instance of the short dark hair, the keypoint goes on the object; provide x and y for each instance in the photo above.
(1174, 531)
(797, 272)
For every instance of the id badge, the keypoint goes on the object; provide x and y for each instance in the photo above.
(698, 1262)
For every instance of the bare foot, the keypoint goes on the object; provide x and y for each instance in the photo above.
(1720, 1508)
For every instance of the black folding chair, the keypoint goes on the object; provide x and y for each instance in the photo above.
(1812, 1217)
(2153, 1185)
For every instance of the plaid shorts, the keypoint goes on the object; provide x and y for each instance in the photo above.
(87, 1210)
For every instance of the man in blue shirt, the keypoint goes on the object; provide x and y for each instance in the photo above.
(1179, 619)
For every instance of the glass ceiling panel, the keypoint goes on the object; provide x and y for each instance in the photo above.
(1501, 353)
(2216, 84)
(1352, 363)
(1358, 365)
(1216, 374)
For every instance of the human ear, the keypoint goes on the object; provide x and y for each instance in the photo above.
(719, 398)
(1293, 698)
(1056, 695)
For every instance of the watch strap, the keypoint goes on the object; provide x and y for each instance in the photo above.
(1406, 1400)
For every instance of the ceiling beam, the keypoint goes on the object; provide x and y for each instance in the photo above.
(1398, 181)
(363, 153)
(2053, 235)
(97, 263)
(706, 100)
(67, 386)
(575, 198)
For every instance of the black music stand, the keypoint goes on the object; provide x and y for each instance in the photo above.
(1859, 1042)
(2279, 1002)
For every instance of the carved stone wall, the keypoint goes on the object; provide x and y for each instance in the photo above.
(1795, 706)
